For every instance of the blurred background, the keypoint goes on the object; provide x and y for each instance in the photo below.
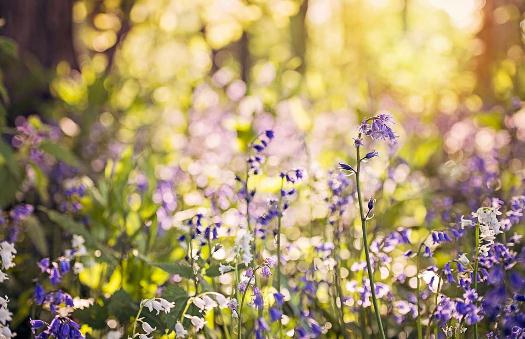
(135, 70)
(181, 87)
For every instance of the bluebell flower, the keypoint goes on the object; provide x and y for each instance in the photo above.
(275, 314)
(279, 298)
(39, 295)
(258, 300)
(379, 128)
(370, 155)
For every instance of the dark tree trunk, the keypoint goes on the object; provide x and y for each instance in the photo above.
(43, 31)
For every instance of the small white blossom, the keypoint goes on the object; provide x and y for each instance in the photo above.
(180, 331)
(197, 322)
(489, 227)
(114, 335)
(5, 315)
(78, 267)
(5, 332)
(222, 300)
(224, 268)
(158, 304)
(463, 260)
(7, 252)
(147, 328)
(3, 277)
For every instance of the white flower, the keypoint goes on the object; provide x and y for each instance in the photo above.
(78, 245)
(5, 332)
(114, 335)
(78, 267)
(80, 303)
(224, 268)
(5, 315)
(180, 331)
(466, 222)
(463, 260)
(166, 304)
(3, 277)
(222, 300)
(209, 302)
(199, 302)
(431, 279)
(196, 321)
(147, 328)
(7, 252)
(489, 227)
(158, 304)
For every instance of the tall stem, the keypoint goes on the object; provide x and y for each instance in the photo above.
(337, 278)
(365, 245)
(418, 296)
(279, 217)
(475, 273)
(136, 320)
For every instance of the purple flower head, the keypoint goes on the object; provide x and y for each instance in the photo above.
(258, 300)
(54, 275)
(370, 204)
(370, 155)
(379, 128)
(275, 314)
(40, 294)
(279, 298)
(21, 212)
(266, 272)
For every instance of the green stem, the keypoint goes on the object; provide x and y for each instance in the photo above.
(136, 320)
(279, 217)
(242, 301)
(418, 292)
(475, 273)
(337, 277)
(365, 245)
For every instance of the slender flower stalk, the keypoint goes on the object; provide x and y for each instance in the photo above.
(418, 293)
(475, 273)
(137, 319)
(241, 304)
(365, 243)
(279, 221)
(337, 278)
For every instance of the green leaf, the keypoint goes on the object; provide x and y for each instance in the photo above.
(180, 297)
(60, 153)
(8, 47)
(183, 270)
(41, 182)
(74, 227)
(36, 233)
(95, 316)
(213, 270)
(11, 175)
(122, 306)
(9, 160)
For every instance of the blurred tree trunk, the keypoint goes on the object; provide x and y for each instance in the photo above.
(244, 58)
(43, 31)
(299, 35)
(497, 37)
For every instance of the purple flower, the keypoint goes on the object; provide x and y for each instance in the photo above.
(370, 155)
(266, 272)
(40, 294)
(279, 298)
(258, 300)
(275, 314)
(21, 212)
(379, 128)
